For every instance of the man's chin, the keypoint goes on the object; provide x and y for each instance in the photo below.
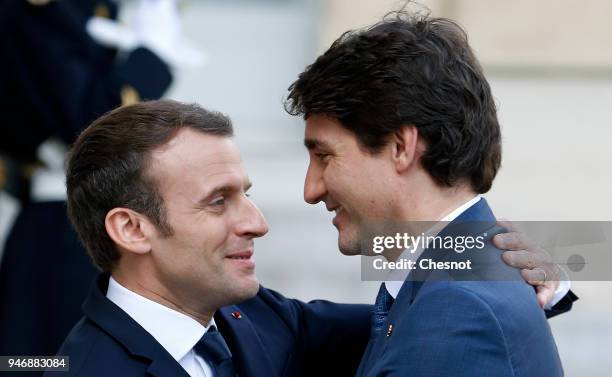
(349, 248)
(246, 289)
(251, 287)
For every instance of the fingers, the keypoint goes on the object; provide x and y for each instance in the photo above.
(545, 286)
(513, 241)
(505, 223)
(545, 293)
(542, 274)
(535, 262)
(535, 277)
(526, 259)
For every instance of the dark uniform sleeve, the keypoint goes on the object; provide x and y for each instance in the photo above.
(58, 80)
(563, 306)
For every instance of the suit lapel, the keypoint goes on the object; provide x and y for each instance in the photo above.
(121, 327)
(249, 355)
(376, 346)
(160, 368)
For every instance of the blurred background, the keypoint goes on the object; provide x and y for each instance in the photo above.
(550, 67)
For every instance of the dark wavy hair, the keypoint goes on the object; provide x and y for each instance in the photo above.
(107, 168)
(409, 69)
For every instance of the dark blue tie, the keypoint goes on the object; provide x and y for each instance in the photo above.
(381, 310)
(213, 348)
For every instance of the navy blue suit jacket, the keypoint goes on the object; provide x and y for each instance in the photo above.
(487, 324)
(275, 336)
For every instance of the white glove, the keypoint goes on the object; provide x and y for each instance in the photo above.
(48, 183)
(111, 34)
(158, 27)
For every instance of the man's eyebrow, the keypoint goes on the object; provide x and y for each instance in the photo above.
(224, 188)
(311, 144)
(214, 191)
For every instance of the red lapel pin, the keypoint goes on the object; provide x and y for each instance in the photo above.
(237, 315)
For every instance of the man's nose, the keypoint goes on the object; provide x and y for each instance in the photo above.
(253, 222)
(314, 185)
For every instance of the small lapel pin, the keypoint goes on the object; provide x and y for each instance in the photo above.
(237, 315)
(389, 330)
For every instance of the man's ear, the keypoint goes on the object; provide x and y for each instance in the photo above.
(129, 229)
(404, 147)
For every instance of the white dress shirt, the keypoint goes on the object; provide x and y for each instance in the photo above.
(397, 277)
(176, 332)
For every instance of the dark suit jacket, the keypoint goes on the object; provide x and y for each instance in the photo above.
(275, 336)
(483, 322)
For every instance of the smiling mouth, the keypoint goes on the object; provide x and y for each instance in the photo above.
(335, 209)
(243, 259)
(241, 255)
(338, 210)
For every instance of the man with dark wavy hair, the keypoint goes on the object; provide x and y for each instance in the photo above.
(401, 126)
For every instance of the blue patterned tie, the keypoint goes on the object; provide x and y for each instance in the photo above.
(381, 310)
(213, 348)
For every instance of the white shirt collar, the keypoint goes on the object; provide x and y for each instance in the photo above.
(459, 210)
(176, 332)
(397, 277)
